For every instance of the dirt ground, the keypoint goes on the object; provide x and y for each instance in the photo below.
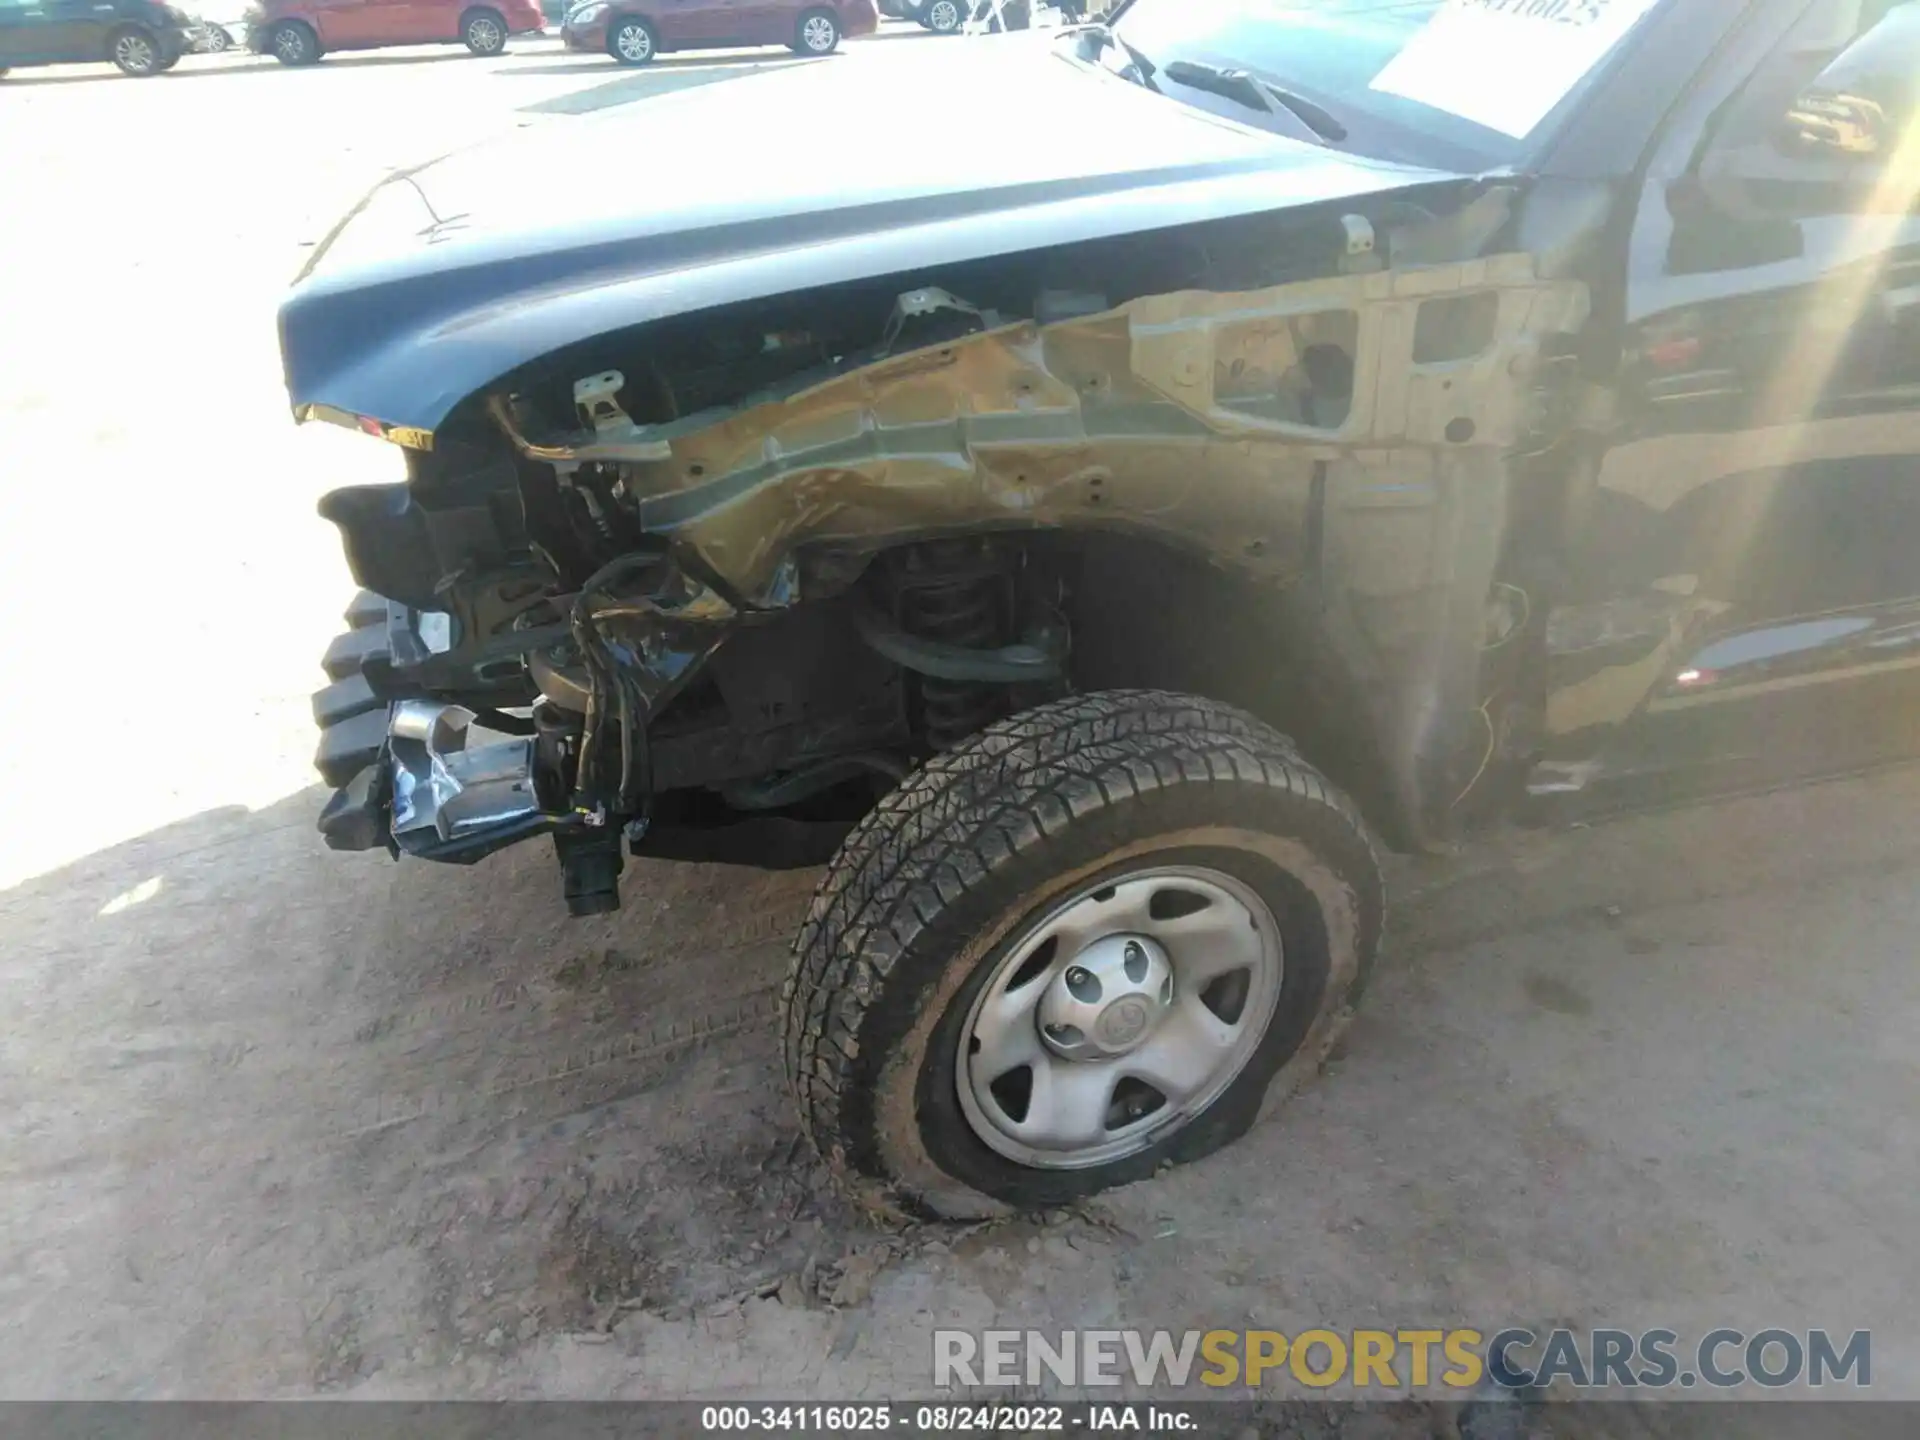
(280, 1123)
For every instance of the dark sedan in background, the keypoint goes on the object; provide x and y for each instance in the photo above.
(142, 37)
(635, 31)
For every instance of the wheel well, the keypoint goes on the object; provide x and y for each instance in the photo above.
(1148, 615)
(1143, 614)
(1140, 615)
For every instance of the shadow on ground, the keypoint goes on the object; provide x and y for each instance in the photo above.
(581, 61)
(646, 84)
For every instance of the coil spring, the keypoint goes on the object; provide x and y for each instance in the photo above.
(963, 612)
(594, 497)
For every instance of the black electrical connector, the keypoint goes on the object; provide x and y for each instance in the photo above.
(590, 865)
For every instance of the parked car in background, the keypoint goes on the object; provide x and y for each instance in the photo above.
(218, 36)
(635, 31)
(950, 17)
(142, 37)
(299, 32)
(943, 17)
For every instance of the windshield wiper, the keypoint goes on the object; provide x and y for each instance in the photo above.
(1102, 37)
(1256, 94)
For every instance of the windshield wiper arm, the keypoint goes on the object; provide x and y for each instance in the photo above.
(1102, 36)
(1256, 94)
(1141, 63)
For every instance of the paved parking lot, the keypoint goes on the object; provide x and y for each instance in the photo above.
(275, 1122)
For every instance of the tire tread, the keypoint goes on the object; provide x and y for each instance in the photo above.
(1012, 789)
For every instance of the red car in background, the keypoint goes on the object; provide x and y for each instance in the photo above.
(299, 32)
(634, 31)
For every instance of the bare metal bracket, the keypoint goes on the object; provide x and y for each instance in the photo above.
(594, 398)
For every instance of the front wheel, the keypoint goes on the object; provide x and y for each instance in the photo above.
(484, 31)
(817, 34)
(294, 44)
(631, 42)
(944, 17)
(1090, 941)
(135, 52)
(219, 41)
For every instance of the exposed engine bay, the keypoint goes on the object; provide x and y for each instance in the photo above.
(711, 587)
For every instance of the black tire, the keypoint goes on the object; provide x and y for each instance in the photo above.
(219, 40)
(484, 31)
(136, 51)
(632, 41)
(293, 43)
(928, 893)
(167, 62)
(817, 33)
(944, 17)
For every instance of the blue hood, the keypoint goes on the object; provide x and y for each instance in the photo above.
(449, 276)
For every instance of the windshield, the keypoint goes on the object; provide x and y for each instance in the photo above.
(1461, 84)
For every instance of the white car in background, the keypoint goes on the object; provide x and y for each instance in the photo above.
(219, 36)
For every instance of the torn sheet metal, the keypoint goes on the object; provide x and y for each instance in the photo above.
(1197, 417)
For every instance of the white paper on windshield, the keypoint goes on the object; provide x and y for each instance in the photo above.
(1505, 64)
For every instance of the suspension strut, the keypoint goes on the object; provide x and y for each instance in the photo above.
(962, 613)
(954, 593)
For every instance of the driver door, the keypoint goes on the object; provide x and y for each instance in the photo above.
(1753, 536)
(364, 24)
(53, 30)
(691, 22)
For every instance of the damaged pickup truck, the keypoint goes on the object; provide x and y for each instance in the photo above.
(1257, 429)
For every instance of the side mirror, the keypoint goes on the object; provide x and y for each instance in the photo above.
(1840, 141)
(1853, 126)
(1865, 104)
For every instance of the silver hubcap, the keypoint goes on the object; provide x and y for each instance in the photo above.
(818, 33)
(483, 34)
(945, 15)
(634, 43)
(133, 52)
(289, 45)
(1119, 1017)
